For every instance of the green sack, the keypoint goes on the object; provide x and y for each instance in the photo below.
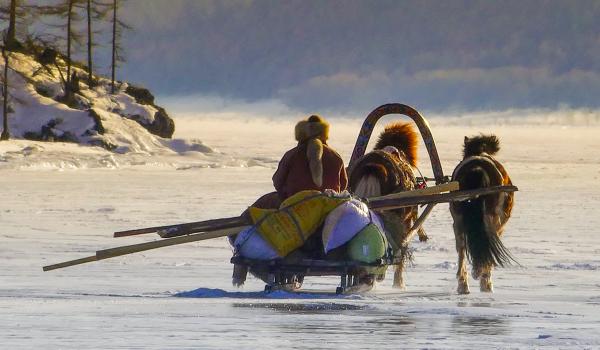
(368, 245)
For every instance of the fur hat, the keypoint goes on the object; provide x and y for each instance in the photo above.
(313, 131)
(314, 126)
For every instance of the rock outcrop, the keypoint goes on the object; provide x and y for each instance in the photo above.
(162, 125)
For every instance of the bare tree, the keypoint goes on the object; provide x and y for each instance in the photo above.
(11, 35)
(118, 27)
(89, 42)
(19, 14)
(69, 11)
(72, 16)
(95, 10)
(5, 133)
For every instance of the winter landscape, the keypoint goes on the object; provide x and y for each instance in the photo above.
(63, 202)
(73, 172)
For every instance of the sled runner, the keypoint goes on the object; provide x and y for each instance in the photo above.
(281, 273)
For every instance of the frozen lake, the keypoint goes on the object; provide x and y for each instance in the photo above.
(181, 297)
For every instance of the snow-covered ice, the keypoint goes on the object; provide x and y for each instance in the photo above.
(63, 201)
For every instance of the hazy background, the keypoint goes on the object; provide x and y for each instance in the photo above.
(350, 56)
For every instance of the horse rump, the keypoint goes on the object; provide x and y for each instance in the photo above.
(478, 220)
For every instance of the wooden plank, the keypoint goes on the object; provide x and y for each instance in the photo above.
(186, 230)
(176, 230)
(70, 263)
(447, 187)
(134, 248)
(395, 203)
(206, 225)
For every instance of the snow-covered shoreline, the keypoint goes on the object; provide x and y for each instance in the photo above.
(127, 121)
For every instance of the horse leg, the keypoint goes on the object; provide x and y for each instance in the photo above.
(414, 215)
(239, 275)
(461, 274)
(395, 223)
(422, 235)
(399, 271)
(485, 281)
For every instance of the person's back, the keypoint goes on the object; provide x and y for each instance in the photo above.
(312, 165)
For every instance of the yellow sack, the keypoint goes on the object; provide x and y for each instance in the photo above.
(298, 217)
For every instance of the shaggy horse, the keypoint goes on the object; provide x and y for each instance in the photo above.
(389, 169)
(478, 223)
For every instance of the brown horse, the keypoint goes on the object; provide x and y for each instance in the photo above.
(479, 223)
(389, 169)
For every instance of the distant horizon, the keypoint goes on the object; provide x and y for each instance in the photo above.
(198, 106)
(344, 56)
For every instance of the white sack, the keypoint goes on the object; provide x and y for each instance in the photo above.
(345, 221)
(250, 244)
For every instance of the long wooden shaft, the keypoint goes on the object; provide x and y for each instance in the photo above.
(447, 187)
(395, 203)
(134, 248)
(87, 259)
(186, 230)
(168, 231)
(207, 225)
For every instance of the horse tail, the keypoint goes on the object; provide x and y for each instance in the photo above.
(402, 136)
(480, 215)
(371, 176)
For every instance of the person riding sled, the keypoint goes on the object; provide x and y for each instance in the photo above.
(311, 165)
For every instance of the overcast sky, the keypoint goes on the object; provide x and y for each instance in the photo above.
(343, 55)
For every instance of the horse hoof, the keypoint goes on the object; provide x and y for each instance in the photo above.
(237, 283)
(486, 288)
(399, 285)
(423, 238)
(462, 289)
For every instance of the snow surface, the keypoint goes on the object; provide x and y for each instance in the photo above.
(63, 201)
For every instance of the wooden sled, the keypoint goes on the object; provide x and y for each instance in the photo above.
(289, 276)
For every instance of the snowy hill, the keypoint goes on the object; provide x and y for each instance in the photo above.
(125, 122)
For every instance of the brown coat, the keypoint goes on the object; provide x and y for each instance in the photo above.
(294, 175)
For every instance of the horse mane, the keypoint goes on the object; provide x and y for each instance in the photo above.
(477, 145)
(402, 136)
